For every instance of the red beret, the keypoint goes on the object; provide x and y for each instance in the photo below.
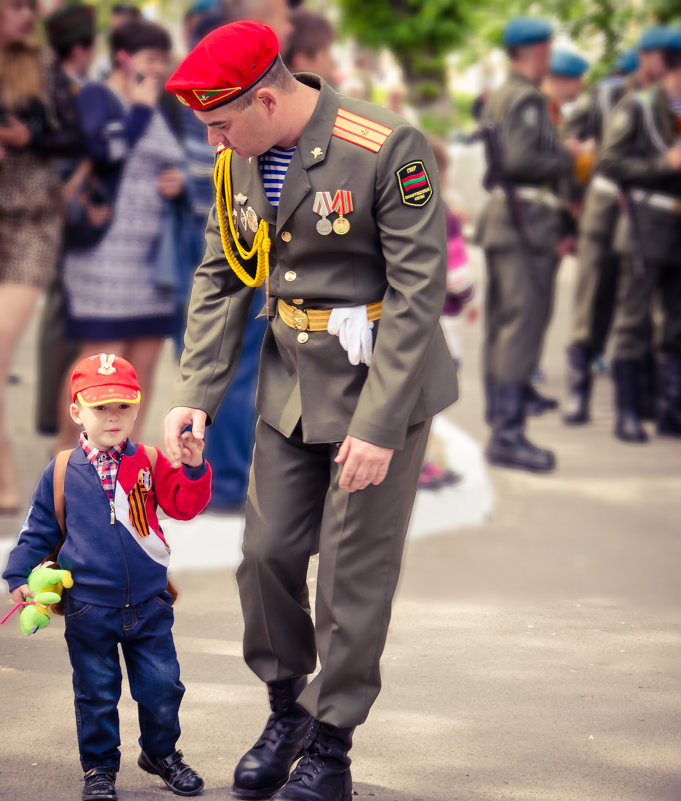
(224, 64)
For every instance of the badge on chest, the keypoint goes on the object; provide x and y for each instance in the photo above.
(324, 205)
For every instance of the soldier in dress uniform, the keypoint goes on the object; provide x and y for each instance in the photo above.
(598, 263)
(642, 155)
(354, 365)
(520, 230)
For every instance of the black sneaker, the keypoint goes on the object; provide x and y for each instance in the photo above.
(100, 785)
(177, 775)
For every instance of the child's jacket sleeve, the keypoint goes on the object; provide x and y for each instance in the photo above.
(182, 492)
(39, 534)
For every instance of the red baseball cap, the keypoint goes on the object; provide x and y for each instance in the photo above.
(224, 64)
(104, 378)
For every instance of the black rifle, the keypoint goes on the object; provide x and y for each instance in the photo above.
(490, 135)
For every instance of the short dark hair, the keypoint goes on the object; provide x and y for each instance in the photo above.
(63, 51)
(311, 33)
(140, 35)
(278, 77)
(671, 58)
(126, 8)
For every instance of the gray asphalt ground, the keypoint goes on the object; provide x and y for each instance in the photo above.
(534, 658)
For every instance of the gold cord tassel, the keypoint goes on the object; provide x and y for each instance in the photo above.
(261, 243)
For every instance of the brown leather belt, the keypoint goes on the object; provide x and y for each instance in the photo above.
(317, 319)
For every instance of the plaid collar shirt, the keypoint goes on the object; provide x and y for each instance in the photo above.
(104, 462)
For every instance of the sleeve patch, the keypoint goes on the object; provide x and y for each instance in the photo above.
(414, 183)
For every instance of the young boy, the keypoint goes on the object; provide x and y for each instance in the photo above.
(118, 557)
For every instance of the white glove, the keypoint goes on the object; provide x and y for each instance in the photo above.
(352, 327)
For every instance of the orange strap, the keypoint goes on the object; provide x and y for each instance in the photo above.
(59, 501)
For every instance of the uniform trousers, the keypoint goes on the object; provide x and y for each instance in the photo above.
(595, 293)
(636, 295)
(93, 634)
(518, 309)
(294, 508)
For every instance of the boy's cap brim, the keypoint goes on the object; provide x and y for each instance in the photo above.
(112, 393)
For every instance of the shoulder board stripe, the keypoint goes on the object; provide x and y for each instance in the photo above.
(360, 131)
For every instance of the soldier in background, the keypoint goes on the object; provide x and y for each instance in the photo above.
(642, 155)
(520, 230)
(598, 264)
(309, 46)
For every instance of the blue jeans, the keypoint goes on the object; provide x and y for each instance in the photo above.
(93, 634)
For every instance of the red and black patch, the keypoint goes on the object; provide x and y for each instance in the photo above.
(414, 183)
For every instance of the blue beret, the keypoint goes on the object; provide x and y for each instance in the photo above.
(673, 39)
(627, 62)
(201, 6)
(653, 38)
(567, 65)
(522, 31)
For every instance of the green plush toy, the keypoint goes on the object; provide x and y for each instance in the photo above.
(47, 585)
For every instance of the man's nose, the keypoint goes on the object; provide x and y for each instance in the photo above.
(215, 138)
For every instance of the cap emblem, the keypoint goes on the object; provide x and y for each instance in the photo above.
(208, 97)
(106, 366)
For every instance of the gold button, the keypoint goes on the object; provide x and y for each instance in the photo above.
(298, 301)
(290, 276)
(303, 336)
(286, 236)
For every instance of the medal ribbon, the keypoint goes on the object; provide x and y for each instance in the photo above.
(322, 204)
(342, 202)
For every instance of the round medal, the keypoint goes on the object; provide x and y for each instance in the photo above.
(244, 221)
(324, 227)
(341, 225)
(252, 218)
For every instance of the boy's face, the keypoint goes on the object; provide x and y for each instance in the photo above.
(106, 425)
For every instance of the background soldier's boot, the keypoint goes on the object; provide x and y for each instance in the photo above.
(508, 446)
(647, 388)
(669, 395)
(536, 403)
(627, 376)
(265, 768)
(579, 382)
(323, 773)
(490, 396)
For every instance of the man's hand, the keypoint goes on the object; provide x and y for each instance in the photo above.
(363, 464)
(170, 182)
(192, 449)
(21, 593)
(174, 424)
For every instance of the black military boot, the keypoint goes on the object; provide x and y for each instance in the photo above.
(266, 767)
(508, 446)
(579, 382)
(627, 377)
(175, 772)
(669, 395)
(100, 785)
(323, 772)
(536, 403)
(647, 388)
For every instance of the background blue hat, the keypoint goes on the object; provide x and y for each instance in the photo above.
(673, 39)
(567, 65)
(653, 38)
(522, 31)
(627, 63)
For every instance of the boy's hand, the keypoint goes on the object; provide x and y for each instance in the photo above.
(21, 593)
(177, 419)
(191, 449)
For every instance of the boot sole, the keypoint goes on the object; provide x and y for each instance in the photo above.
(257, 795)
(150, 769)
(502, 462)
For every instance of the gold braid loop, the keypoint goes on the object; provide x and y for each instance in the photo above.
(261, 243)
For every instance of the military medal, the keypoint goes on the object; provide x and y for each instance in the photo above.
(244, 221)
(240, 198)
(322, 206)
(342, 205)
(252, 219)
(235, 215)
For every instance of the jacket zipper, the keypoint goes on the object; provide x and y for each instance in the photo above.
(113, 512)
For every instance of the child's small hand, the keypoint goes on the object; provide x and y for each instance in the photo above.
(21, 593)
(191, 449)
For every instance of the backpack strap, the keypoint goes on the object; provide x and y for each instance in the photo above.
(60, 464)
(152, 456)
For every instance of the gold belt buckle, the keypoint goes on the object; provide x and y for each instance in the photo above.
(300, 320)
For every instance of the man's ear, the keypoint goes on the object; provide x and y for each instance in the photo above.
(268, 99)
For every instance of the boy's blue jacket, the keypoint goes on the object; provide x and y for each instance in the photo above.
(115, 549)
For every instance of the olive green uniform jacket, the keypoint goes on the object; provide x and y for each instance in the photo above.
(395, 251)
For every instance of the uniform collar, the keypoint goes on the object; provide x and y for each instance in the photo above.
(317, 133)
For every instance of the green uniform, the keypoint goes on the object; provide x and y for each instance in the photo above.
(310, 396)
(519, 292)
(634, 155)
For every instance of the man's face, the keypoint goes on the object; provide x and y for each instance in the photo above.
(321, 64)
(567, 89)
(248, 132)
(652, 65)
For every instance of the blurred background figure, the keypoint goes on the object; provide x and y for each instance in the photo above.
(120, 14)
(71, 34)
(32, 130)
(309, 45)
(564, 82)
(120, 291)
